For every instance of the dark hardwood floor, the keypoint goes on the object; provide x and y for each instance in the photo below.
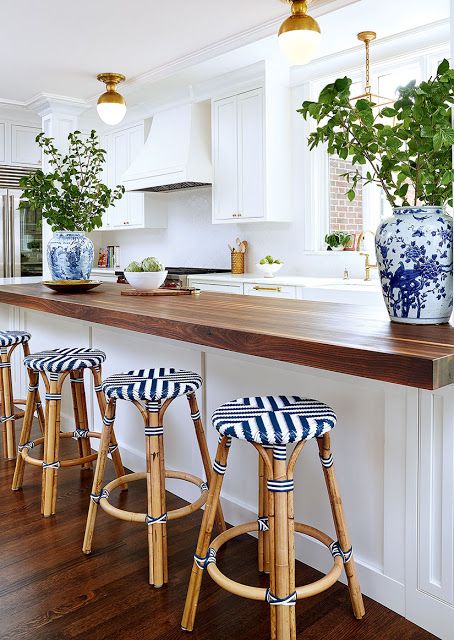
(50, 591)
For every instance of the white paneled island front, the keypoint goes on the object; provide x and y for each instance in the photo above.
(389, 385)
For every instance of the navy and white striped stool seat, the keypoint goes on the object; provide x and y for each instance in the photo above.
(151, 384)
(272, 420)
(71, 359)
(8, 338)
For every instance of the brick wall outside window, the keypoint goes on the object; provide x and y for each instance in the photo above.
(343, 214)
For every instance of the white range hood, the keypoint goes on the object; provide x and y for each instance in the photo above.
(177, 153)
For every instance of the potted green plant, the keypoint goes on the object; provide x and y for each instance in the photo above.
(337, 240)
(73, 199)
(406, 149)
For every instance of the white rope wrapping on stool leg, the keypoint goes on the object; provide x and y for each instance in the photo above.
(3, 350)
(203, 562)
(108, 421)
(98, 388)
(52, 465)
(280, 452)
(203, 486)
(7, 418)
(149, 520)
(262, 523)
(196, 415)
(154, 431)
(152, 406)
(228, 443)
(327, 462)
(33, 387)
(5, 365)
(287, 601)
(96, 497)
(81, 433)
(336, 550)
(54, 375)
(280, 486)
(79, 380)
(26, 445)
(219, 468)
(53, 396)
(112, 448)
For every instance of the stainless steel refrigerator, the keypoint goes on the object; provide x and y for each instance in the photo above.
(21, 247)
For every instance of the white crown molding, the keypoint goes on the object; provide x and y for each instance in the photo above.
(249, 36)
(46, 103)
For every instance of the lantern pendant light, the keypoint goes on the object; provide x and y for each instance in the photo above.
(111, 105)
(379, 101)
(299, 34)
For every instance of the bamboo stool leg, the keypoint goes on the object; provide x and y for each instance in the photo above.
(27, 424)
(80, 413)
(156, 519)
(206, 530)
(7, 404)
(113, 447)
(98, 479)
(51, 463)
(39, 408)
(280, 588)
(261, 515)
(46, 418)
(205, 454)
(324, 446)
(163, 503)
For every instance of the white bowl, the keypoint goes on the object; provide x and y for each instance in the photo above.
(269, 270)
(145, 280)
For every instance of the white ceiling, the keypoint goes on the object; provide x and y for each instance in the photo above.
(58, 47)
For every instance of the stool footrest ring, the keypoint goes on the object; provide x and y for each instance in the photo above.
(132, 516)
(261, 593)
(73, 462)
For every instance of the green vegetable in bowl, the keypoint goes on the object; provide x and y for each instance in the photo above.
(151, 264)
(270, 260)
(134, 266)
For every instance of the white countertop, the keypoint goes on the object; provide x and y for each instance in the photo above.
(294, 281)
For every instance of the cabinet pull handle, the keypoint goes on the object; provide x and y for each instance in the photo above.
(257, 288)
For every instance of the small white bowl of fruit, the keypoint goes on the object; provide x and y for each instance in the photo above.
(269, 266)
(146, 275)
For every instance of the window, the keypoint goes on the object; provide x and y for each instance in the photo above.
(370, 204)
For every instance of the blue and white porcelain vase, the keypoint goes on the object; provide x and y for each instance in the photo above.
(70, 255)
(414, 256)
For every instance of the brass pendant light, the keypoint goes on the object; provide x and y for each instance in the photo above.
(299, 35)
(379, 101)
(111, 105)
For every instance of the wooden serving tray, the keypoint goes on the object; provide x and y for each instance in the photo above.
(161, 292)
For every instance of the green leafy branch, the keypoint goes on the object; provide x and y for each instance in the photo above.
(71, 195)
(406, 148)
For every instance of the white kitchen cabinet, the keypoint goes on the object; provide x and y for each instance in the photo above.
(18, 145)
(217, 287)
(269, 290)
(24, 149)
(134, 210)
(251, 154)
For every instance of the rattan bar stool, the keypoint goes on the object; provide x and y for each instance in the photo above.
(54, 366)
(270, 423)
(151, 391)
(9, 341)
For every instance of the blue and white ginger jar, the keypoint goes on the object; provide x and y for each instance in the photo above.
(70, 256)
(414, 256)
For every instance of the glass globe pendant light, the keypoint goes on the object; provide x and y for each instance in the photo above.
(111, 105)
(299, 35)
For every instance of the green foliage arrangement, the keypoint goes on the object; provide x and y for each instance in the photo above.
(408, 144)
(71, 195)
(338, 239)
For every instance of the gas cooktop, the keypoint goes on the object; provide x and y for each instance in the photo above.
(184, 271)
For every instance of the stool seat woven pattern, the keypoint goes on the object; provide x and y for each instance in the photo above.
(8, 338)
(151, 384)
(70, 359)
(273, 420)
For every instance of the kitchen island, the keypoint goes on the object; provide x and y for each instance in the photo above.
(391, 386)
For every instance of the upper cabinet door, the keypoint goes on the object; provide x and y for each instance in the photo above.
(251, 154)
(225, 159)
(120, 162)
(24, 149)
(135, 201)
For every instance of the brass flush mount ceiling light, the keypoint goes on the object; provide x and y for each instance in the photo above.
(111, 105)
(299, 35)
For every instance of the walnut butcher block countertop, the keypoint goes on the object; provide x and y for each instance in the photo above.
(335, 337)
